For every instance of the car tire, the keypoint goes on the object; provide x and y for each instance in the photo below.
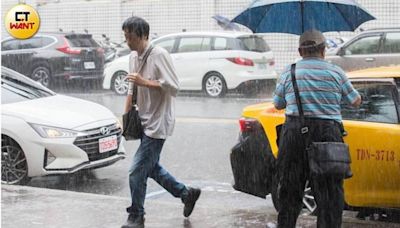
(118, 84)
(309, 202)
(214, 85)
(14, 167)
(41, 74)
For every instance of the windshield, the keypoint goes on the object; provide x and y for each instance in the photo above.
(253, 43)
(16, 88)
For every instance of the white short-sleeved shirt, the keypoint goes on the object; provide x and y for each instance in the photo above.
(156, 106)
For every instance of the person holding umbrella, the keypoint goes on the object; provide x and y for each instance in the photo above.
(323, 86)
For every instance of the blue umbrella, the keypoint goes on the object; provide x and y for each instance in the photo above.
(297, 16)
(225, 23)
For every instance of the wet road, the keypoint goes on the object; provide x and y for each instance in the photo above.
(197, 154)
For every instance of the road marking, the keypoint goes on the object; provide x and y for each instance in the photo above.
(152, 194)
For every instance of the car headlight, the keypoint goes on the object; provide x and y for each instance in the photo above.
(55, 132)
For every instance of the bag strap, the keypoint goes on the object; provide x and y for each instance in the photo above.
(304, 128)
(146, 55)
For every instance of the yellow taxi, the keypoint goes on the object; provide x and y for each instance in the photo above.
(373, 135)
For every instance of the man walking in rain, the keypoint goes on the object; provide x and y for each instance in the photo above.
(322, 87)
(157, 87)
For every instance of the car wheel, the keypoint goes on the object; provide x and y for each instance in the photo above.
(41, 74)
(214, 85)
(119, 84)
(308, 198)
(14, 167)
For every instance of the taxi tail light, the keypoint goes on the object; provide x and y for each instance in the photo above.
(247, 124)
(68, 49)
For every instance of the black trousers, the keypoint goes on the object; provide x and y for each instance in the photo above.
(293, 172)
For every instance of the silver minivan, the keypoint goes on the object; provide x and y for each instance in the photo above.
(371, 48)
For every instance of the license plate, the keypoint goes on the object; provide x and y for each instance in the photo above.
(108, 143)
(89, 65)
(262, 66)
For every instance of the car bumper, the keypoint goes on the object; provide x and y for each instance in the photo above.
(89, 165)
(252, 164)
(107, 77)
(239, 78)
(46, 156)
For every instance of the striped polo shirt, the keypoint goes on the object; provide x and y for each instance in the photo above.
(322, 87)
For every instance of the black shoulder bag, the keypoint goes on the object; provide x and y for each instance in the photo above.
(132, 125)
(324, 158)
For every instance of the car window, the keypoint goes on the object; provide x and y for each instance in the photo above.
(366, 45)
(377, 105)
(166, 44)
(220, 43)
(253, 43)
(35, 42)
(44, 41)
(190, 44)
(9, 45)
(392, 43)
(206, 44)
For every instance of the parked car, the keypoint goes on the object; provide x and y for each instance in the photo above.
(370, 48)
(373, 135)
(48, 57)
(43, 133)
(213, 62)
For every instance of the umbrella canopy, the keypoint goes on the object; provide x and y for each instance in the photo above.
(225, 23)
(297, 16)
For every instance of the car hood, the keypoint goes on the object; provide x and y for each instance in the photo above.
(58, 111)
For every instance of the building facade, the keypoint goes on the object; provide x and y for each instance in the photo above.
(168, 16)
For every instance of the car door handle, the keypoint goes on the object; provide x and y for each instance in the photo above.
(369, 59)
(178, 58)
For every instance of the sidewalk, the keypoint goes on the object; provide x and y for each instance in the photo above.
(23, 207)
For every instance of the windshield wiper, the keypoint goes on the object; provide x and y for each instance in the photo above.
(22, 95)
(26, 84)
(18, 87)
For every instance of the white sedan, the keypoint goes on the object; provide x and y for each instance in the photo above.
(45, 133)
(213, 62)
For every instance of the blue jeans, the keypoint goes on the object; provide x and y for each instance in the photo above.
(146, 164)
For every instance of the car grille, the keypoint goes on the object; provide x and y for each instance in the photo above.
(90, 142)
